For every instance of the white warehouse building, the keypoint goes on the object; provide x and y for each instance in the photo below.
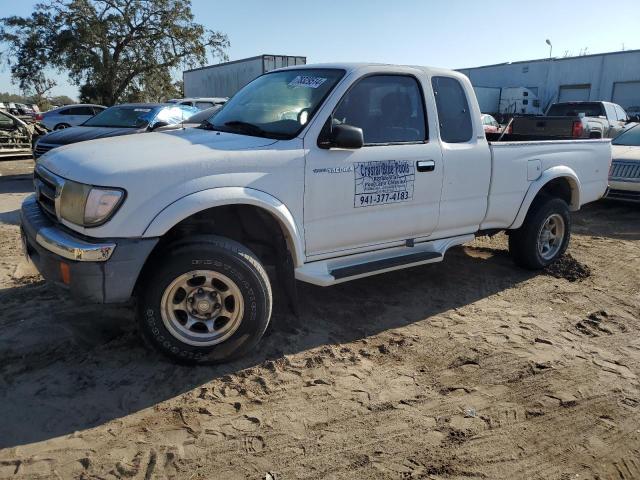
(613, 76)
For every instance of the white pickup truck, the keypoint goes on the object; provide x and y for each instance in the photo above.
(330, 173)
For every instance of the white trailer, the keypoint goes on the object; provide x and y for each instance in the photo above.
(225, 79)
(519, 101)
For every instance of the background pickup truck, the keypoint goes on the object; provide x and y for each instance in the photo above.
(327, 173)
(573, 120)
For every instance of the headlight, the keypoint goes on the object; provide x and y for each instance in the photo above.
(88, 206)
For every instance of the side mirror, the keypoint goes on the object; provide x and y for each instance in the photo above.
(344, 136)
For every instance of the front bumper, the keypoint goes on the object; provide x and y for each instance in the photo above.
(626, 190)
(102, 271)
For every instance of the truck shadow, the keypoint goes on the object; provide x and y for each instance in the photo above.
(68, 367)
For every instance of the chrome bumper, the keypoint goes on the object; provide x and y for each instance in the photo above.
(53, 239)
(58, 242)
(98, 272)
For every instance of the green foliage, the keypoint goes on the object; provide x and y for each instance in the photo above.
(44, 103)
(114, 50)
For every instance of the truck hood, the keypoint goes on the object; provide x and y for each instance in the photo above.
(624, 152)
(126, 159)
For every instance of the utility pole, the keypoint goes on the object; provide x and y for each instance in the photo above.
(546, 85)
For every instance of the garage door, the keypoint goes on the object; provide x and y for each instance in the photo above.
(626, 94)
(574, 93)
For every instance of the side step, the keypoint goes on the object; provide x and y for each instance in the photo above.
(370, 267)
(330, 271)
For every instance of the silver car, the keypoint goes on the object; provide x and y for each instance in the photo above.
(68, 116)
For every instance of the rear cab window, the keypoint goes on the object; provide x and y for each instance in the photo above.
(204, 105)
(454, 117)
(589, 109)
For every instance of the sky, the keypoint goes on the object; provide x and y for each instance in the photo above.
(452, 34)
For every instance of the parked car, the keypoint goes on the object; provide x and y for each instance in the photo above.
(624, 176)
(201, 103)
(3, 106)
(490, 124)
(25, 110)
(68, 116)
(574, 120)
(118, 120)
(17, 136)
(327, 173)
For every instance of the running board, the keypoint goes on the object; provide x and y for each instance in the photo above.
(393, 262)
(358, 265)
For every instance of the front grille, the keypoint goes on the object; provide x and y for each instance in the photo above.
(48, 187)
(625, 170)
(41, 149)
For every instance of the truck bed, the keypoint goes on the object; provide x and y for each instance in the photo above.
(517, 165)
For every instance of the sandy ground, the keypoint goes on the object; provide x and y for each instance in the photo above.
(470, 368)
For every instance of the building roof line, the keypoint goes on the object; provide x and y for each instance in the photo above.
(554, 59)
(242, 60)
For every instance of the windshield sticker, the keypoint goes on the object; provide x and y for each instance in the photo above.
(145, 110)
(389, 181)
(308, 82)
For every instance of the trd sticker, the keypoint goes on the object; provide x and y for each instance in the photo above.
(333, 170)
(389, 181)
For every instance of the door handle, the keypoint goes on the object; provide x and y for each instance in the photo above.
(426, 165)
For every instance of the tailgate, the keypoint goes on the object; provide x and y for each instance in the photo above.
(560, 127)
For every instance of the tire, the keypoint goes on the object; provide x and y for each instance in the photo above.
(184, 301)
(61, 126)
(524, 247)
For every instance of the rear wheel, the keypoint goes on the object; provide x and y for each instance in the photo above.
(207, 301)
(544, 235)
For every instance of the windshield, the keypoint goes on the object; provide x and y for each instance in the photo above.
(123, 116)
(630, 137)
(278, 104)
(575, 109)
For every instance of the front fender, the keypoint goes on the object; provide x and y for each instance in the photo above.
(216, 197)
(535, 187)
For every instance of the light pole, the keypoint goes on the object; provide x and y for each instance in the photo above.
(546, 83)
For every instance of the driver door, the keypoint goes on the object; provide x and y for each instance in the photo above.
(388, 190)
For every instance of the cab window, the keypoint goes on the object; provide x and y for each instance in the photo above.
(620, 113)
(388, 109)
(453, 110)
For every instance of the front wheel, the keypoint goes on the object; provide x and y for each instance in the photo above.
(206, 301)
(544, 235)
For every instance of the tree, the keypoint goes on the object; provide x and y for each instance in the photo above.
(38, 86)
(111, 49)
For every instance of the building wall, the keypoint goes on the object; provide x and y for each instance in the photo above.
(225, 79)
(600, 71)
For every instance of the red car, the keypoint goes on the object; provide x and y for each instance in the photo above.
(490, 124)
